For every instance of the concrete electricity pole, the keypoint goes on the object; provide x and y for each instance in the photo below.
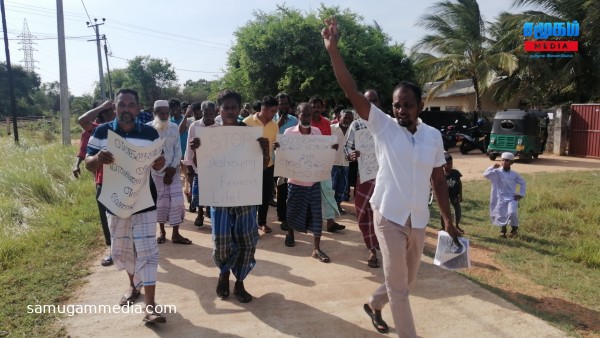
(101, 73)
(64, 86)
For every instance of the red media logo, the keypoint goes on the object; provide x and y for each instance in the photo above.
(551, 46)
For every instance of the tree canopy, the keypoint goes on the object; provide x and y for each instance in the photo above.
(283, 51)
(25, 84)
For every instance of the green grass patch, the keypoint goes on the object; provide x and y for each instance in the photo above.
(50, 229)
(558, 246)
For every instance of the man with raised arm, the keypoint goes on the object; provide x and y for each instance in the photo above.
(410, 155)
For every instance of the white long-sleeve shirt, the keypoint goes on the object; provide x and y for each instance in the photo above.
(505, 183)
(171, 148)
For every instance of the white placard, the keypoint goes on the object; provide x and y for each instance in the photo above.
(451, 256)
(230, 166)
(307, 158)
(125, 182)
(367, 161)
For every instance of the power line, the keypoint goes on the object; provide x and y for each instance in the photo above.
(183, 70)
(86, 12)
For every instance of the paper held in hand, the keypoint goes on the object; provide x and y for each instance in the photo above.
(126, 185)
(451, 256)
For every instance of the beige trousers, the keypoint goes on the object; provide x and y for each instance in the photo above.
(401, 250)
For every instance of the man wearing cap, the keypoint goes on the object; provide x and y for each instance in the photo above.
(169, 206)
(504, 200)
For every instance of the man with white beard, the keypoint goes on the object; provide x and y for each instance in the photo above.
(169, 205)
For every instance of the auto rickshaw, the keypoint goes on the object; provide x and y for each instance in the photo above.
(520, 132)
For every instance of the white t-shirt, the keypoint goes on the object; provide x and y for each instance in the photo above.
(406, 162)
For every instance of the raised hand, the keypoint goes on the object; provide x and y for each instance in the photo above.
(330, 33)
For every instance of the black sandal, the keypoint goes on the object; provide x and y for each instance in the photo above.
(240, 292)
(378, 323)
(289, 241)
(223, 285)
(321, 256)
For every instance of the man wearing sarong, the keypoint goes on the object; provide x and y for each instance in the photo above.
(234, 229)
(304, 198)
(133, 238)
(169, 205)
(364, 191)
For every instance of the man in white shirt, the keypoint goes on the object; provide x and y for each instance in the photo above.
(169, 206)
(410, 155)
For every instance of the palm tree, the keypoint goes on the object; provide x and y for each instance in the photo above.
(581, 71)
(460, 48)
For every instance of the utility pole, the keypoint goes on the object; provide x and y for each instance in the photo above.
(11, 80)
(101, 73)
(110, 91)
(64, 85)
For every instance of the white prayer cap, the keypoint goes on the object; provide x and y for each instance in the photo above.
(161, 103)
(508, 156)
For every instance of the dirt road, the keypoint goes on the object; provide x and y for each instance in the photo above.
(297, 296)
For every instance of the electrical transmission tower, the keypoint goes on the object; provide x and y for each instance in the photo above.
(27, 47)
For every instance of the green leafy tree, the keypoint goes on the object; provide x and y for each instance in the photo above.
(196, 90)
(153, 78)
(25, 83)
(283, 51)
(460, 48)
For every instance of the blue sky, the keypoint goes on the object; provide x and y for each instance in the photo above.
(193, 35)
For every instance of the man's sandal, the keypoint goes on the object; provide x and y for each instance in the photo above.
(154, 318)
(289, 241)
(129, 298)
(223, 285)
(373, 263)
(181, 240)
(378, 323)
(321, 256)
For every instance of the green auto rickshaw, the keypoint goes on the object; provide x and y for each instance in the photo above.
(520, 132)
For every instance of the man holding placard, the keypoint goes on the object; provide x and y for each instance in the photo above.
(304, 195)
(365, 184)
(134, 246)
(234, 226)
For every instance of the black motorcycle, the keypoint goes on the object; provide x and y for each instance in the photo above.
(449, 136)
(474, 138)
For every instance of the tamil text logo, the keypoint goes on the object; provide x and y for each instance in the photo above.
(543, 30)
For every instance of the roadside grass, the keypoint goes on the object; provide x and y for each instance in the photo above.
(558, 246)
(50, 230)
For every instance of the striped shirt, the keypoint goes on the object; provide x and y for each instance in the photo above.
(141, 135)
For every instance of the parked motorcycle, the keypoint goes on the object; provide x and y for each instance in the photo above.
(474, 138)
(449, 136)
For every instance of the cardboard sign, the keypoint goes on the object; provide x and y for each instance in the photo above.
(125, 183)
(367, 161)
(230, 166)
(307, 158)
